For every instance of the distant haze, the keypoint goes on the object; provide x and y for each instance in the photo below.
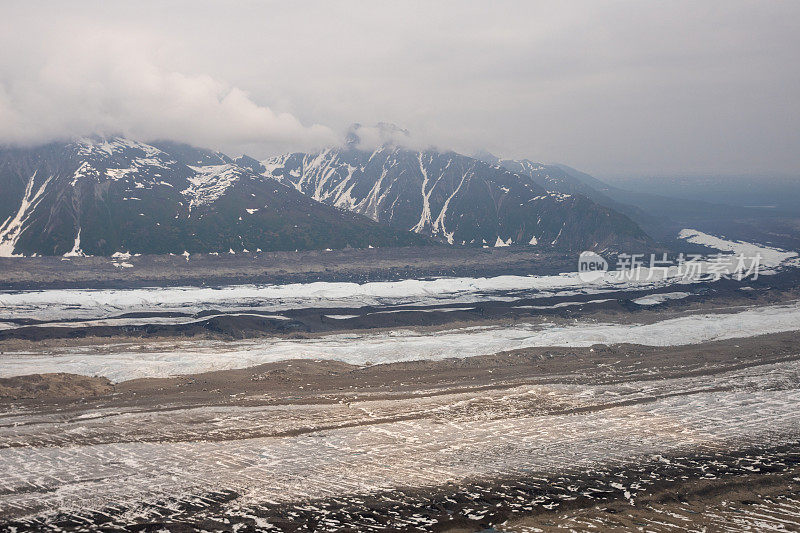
(616, 87)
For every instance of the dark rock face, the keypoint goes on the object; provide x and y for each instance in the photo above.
(454, 198)
(101, 196)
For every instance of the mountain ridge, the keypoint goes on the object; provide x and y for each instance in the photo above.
(100, 196)
(106, 195)
(451, 197)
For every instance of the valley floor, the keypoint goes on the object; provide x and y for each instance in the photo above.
(361, 265)
(510, 403)
(515, 440)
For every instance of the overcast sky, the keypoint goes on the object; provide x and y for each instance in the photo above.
(612, 88)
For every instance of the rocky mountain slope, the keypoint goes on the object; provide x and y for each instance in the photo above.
(452, 197)
(567, 180)
(102, 196)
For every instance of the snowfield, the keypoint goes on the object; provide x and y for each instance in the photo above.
(770, 257)
(74, 308)
(71, 304)
(120, 363)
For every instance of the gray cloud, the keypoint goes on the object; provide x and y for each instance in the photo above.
(108, 82)
(611, 87)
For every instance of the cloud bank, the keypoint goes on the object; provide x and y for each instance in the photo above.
(612, 87)
(102, 82)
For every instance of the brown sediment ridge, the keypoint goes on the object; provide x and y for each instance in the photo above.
(534, 434)
(304, 380)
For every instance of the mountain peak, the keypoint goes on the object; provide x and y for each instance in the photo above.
(486, 157)
(101, 145)
(250, 163)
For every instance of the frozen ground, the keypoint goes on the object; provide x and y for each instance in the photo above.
(68, 304)
(159, 359)
(124, 465)
(438, 437)
(340, 303)
(77, 305)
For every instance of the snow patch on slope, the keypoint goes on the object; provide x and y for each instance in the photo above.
(210, 182)
(87, 146)
(76, 248)
(655, 299)
(14, 225)
(770, 257)
(97, 154)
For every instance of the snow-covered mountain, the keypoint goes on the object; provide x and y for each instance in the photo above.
(452, 197)
(100, 196)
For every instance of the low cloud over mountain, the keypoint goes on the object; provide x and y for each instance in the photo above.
(110, 83)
